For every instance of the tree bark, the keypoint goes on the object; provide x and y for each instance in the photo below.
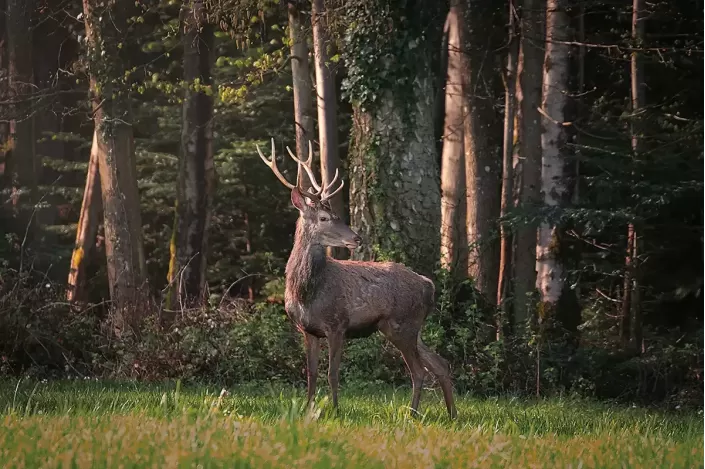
(88, 222)
(196, 167)
(482, 162)
(327, 108)
(528, 164)
(556, 157)
(117, 165)
(505, 252)
(302, 86)
(5, 141)
(394, 187)
(21, 84)
(454, 254)
(631, 300)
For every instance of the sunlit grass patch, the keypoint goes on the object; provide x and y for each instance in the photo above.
(94, 424)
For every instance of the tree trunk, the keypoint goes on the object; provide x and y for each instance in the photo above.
(454, 255)
(529, 162)
(196, 167)
(394, 187)
(117, 166)
(505, 252)
(482, 162)
(88, 222)
(631, 300)
(556, 157)
(301, 80)
(21, 81)
(327, 108)
(5, 169)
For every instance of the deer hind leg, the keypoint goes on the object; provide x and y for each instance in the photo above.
(439, 367)
(408, 348)
(335, 353)
(312, 351)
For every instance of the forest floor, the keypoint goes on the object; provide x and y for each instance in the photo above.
(81, 424)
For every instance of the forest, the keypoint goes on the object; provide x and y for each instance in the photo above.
(540, 161)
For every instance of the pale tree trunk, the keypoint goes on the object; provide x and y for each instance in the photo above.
(529, 161)
(117, 167)
(631, 300)
(327, 108)
(394, 184)
(196, 167)
(21, 84)
(556, 157)
(88, 222)
(505, 251)
(302, 86)
(482, 161)
(454, 255)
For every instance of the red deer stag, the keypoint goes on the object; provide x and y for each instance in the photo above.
(336, 299)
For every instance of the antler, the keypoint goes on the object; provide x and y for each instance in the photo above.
(320, 191)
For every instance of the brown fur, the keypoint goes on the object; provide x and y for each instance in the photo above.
(335, 299)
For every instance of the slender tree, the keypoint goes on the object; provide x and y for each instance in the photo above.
(505, 253)
(556, 161)
(88, 222)
(482, 162)
(196, 167)
(631, 300)
(454, 255)
(106, 27)
(302, 85)
(21, 81)
(528, 168)
(327, 103)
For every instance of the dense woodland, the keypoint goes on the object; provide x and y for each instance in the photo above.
(540, 160)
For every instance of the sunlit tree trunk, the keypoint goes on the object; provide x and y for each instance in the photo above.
(196, 167)
(117, 166)
(631, 300)
(21, 84)
(453, 218)
(327, 107)
(482, 159)
(302, 86)
(88, 222)
(557, 160)
(528, 167)
(505, 253)
(394, 184)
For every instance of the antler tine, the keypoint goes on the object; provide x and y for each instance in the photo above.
(273, 166)
(326, 187)
(307, 167)
(328, 195)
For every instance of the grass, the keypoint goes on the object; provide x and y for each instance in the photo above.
(81, 424)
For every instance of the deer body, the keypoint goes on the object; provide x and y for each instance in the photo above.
(335, 299)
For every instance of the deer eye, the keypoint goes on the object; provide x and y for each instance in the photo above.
(323, 218)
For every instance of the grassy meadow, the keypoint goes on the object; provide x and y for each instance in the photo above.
(90, 424)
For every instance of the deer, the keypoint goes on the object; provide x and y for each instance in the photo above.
(341, 299)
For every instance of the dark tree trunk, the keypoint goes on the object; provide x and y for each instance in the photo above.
(21, 81)
(196, 167)
(529, 163)
(302, 86)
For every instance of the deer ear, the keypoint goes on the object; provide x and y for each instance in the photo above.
(299, 200)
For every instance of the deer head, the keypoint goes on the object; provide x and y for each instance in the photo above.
(320, 224)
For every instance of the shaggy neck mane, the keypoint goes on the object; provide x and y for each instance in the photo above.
(305, 266)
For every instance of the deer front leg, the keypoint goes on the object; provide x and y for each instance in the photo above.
(312, 352)
(335, 353)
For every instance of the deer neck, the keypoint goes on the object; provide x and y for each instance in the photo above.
(304, 270)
